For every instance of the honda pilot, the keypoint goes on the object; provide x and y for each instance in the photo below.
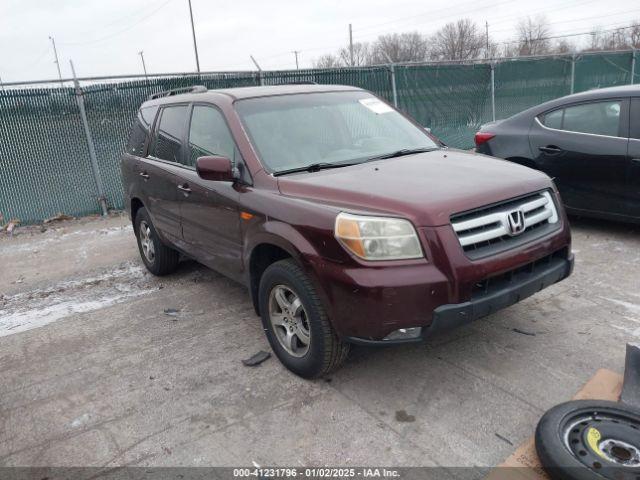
(346, 220)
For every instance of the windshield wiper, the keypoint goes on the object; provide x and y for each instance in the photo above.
(314, 167)
(401, 153)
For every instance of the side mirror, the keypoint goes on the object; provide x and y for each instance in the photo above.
(216, 168)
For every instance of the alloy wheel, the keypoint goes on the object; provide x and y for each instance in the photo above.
(289, 320)
(146, 241)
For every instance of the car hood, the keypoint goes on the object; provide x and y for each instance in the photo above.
(426, 188)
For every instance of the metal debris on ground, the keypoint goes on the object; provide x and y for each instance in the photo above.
(524, 332)
(256, 359)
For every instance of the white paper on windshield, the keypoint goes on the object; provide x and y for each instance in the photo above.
(375, 105)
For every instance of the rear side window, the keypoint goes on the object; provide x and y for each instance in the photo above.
(599, 118)
(170, 133)
(140, 130)
(554, 119)
(209, 135)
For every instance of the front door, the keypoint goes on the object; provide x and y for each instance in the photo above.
(584, 148)
(209, 209)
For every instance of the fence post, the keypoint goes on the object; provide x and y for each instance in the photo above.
(633, 65)
(92, 151)
(573, 72)
(393, 84)
(493, 91)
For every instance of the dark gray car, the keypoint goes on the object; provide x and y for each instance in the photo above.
(588, 142)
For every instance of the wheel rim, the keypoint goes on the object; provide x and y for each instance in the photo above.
(289, 320)
(146, 242)
(603, 439)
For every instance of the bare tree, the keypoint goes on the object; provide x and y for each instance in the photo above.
(563, 46)
(327, 61)
(361, 54)
(633, 34)
(399, 47)
(461, 40)
(533, 36)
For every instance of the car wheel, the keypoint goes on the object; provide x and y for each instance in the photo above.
(157, 257)
(296, 322)
(590, 439)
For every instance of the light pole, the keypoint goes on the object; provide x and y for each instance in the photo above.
(296, 52)
(55, 53)
(193, 32)
(144, 67)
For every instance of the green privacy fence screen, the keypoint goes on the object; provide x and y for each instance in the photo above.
(45, 166)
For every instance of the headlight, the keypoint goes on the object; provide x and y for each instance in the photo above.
(378, 238)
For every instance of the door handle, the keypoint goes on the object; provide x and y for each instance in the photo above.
(550, 149)
(144, 175)
(184, 188)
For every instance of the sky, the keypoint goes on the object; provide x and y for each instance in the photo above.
(104, 37)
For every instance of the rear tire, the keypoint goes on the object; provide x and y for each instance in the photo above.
(296, 323)
(157, 257)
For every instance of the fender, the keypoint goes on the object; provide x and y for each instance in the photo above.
(286, 237)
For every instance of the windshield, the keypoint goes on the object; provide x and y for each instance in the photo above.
(296, 131)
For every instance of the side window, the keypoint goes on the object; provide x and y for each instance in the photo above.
(599, 118)
(209, 135)
(169, 133)
(634, 119)
(553, 119)
(140, 130)
(602, 118)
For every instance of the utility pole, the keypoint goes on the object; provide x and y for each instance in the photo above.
(296, 52)
(144, 67)
(193, 32)
(259, 70)
(486, 24)
(55, 53)
(351, 44)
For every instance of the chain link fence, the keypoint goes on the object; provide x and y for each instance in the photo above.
(44, 152)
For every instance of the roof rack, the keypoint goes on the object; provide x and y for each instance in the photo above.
(178, 91)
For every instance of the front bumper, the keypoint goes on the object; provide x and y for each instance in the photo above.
(505, 291)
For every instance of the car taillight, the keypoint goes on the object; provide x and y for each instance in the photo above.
(482, 137)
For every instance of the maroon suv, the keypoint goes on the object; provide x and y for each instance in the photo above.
(346, 220)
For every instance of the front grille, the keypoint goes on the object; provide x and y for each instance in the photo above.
(498, 282)
(487, 230)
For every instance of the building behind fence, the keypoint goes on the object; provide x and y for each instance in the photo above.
(44, 153)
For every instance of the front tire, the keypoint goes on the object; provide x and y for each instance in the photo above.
(157, 257)
(296, 323)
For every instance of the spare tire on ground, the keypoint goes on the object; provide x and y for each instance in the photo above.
(590, 440)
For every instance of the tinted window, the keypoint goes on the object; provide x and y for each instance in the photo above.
(140, 130)
(168, 144)
(635, 118)
(554, 119)
(209, 135)
(600, 118)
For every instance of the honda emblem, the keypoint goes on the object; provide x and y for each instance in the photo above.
(515, 220)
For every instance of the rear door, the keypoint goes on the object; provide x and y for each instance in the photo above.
(633, 178)
(584, 147)
(210, 216)
(157, 171)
